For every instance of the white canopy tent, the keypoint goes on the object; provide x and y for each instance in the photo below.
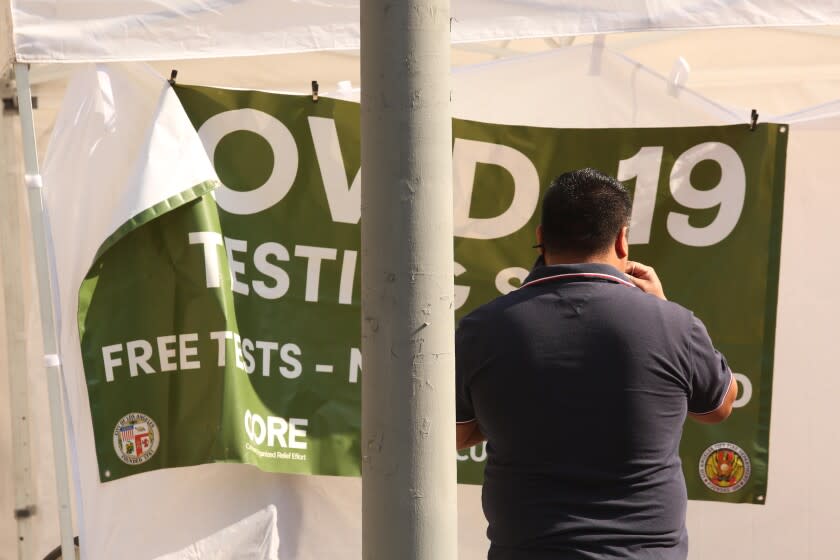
(792, 72)
(104, 30)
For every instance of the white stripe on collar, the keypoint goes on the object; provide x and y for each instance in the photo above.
(579, 275)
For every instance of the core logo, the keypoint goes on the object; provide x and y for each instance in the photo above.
(136, 438)
(725, 468)
(274, 431)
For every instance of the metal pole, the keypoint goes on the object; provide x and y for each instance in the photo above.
(47, 299)
(408, 413)
(15, 343)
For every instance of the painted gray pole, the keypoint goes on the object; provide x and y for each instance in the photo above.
(409, 506)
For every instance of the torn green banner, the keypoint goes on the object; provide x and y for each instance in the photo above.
(228, 328)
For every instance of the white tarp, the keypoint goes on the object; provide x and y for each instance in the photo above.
(252, 538)
(800, 518)
(565, 88)
(121, 144)
(93, 151)
(107, 30)
(116, 123)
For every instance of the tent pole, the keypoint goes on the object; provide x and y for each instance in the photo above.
(15, 344)
(48, 301)
(409, 491)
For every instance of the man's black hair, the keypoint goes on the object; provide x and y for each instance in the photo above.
(583, 211)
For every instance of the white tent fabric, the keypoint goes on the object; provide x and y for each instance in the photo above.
(776, 71)
(800, 516)
(253, 538)
(318, 517)
(129, 118)
(822, 117)
(102, 30)
(563, 88)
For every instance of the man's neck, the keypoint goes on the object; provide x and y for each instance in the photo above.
(567, 258)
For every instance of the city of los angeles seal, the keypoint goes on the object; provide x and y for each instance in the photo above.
(136, 438)
(724, 468)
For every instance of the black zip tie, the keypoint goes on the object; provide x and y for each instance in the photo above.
(753, 120)
(25, 513)
(314, 91)
(172, 76)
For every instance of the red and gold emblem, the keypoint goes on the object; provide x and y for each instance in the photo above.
(725, 467)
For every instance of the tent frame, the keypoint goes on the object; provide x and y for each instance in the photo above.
(48, 300)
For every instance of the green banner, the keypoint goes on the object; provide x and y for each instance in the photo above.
(225, 326)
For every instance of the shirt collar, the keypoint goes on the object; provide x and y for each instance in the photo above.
(581, 272)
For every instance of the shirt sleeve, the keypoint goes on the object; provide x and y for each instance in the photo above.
(465, 349)
(711, 375)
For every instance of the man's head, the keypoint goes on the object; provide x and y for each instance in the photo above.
(585, 215)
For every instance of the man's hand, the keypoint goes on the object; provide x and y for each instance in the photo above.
(467, 434)
(645, 278)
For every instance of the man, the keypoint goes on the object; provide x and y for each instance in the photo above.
(580, 381)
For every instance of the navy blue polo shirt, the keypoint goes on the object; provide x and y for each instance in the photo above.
(581, 383)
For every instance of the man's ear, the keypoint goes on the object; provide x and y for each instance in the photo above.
(622, 246)
(540, 239)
